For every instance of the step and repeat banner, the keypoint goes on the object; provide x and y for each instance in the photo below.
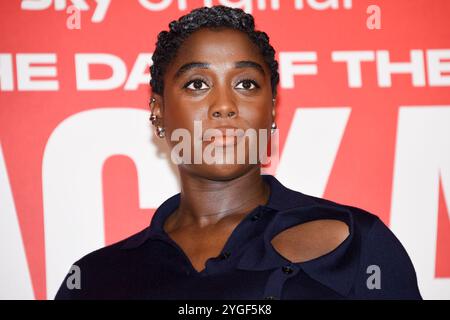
(363, 112)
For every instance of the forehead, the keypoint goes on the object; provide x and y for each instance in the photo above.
(217, 46)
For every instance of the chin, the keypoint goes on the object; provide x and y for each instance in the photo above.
(219, 172)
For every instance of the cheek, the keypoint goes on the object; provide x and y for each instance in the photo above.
(183, 119)
(178, 114)
(257, 116)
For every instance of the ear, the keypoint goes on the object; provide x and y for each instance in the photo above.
(158, 106)
(273, 109)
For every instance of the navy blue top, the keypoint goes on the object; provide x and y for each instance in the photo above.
(370, 263)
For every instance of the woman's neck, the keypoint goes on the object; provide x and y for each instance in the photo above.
(204, 202)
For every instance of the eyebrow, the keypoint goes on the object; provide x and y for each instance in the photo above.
(204, 65)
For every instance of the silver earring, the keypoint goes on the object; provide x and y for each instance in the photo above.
(274, 127)
(152, 105)
(161, 132)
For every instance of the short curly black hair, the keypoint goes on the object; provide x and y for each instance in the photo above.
(218, 16)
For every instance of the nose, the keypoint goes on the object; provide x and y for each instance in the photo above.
(224, 107)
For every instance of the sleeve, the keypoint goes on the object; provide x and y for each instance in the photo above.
(386, 270)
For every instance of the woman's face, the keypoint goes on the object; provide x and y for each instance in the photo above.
(219, 79)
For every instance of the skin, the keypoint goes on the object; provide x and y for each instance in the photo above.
(216, 197)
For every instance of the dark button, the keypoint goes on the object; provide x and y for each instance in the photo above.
(287, 269)
(224, 255)
(270, 298)
(255, 217)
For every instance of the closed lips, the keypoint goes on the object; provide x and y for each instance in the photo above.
(223, 136)
(224, 132)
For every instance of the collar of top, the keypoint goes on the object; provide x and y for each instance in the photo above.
(335, 270)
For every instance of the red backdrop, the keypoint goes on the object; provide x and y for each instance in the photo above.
(364, 114)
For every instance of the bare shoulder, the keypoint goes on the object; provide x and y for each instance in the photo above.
(311, 239)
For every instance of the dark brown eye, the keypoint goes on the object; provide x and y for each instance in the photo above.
(248, 84)
(196, 84)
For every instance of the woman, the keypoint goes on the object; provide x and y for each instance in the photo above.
(232, 233)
